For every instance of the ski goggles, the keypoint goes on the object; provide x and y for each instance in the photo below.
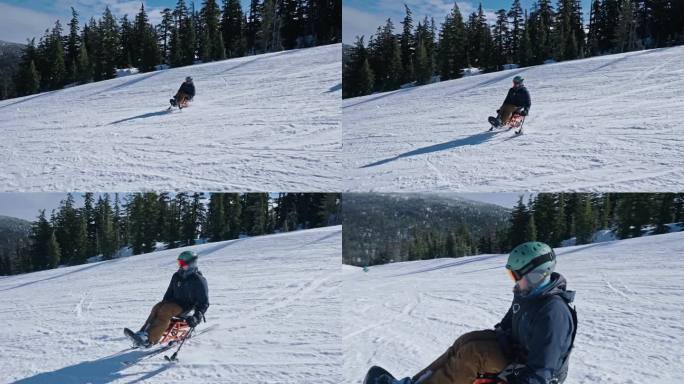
(517, 275)
(182, 263)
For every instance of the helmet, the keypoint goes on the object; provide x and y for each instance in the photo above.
(531, 264)
(188, 258)
(188, 79)
(518, 80)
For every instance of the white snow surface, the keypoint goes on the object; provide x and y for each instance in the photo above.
(600, 124)
(274, 304)
(269, 122)
(629, 298)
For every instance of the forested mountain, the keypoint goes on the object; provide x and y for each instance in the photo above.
(10, 56)
(417, 50)
(92, 50)
(381, 228)
(107, 223)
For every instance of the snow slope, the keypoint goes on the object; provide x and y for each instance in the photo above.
(265, 123)
(600, 124)
(630, 302)
(274, 302)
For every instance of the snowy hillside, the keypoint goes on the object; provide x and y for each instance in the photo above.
(268, 123)
(630, 302)
(606, 123)
(274, 305)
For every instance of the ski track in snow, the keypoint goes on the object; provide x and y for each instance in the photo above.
(600, 124)
(267, 122)
(274, 299)
(630, 302)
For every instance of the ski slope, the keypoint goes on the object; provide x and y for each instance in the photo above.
(274, 316)
(260, 123)
(601, 124)
(630, 302)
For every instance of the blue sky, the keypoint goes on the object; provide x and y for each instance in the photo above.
(362, 17)
(20, 19)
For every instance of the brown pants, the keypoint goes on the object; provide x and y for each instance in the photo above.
(471, 353)
(181, 99)
(506, 112)
(160, 318)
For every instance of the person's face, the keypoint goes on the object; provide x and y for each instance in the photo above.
(516, 85)
(183, 265)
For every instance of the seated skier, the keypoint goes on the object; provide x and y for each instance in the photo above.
(185, 94)
(187, 292)
(531, 345)
(517, 102)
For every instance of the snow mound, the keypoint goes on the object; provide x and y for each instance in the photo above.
(274, 311)
(606, 123)
(259, 123)
(629, 301)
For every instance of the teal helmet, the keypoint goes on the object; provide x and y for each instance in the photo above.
(531, 264)
(518, 80)
(188, 258)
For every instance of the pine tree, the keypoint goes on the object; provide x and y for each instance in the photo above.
(253, 35)
(595, 32)
(358, 78)
(625, 35)
(585, 221)
(164, 31)
(232, 28)
(517, 30)
(270, 26)
(88, 213)
(385, 58)
(72, 47)
(501, 35)
(85, 69)
(109, 34)
(56, 71)
(407, 46)
(452, 54)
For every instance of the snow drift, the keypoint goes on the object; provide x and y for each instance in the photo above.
(268, 123)
(600, 124)
(630, 302)
(274, 308)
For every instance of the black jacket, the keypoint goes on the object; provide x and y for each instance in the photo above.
(189, 292)
(538, 333)
(519, 97)
(188, 89)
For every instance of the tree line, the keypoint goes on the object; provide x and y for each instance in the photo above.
(553, 218)
(420, 52)
(105, 225)
(93, 51)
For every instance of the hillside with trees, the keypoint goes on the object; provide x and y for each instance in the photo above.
(108, 224)
(384, 228)
(93, 50)
(416, 52)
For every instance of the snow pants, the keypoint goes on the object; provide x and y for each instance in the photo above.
(181, 99)
(160, 318)
(506, 112)
(471, 353)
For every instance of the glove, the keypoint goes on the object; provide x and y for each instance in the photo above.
(488, 378)
(193, 320)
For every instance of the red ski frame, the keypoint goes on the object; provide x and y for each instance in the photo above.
(176, 331)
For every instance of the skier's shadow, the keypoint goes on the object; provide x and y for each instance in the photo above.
(475, 139)
(143, 116)
(102, 371)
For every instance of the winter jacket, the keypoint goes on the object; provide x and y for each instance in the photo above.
(537, 332)
(190, 292)
(519, 97)
(188, 89)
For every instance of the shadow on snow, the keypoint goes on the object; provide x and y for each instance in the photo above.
(475, 139)
(143, 116)
(101, 371)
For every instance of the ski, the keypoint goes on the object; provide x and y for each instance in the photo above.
(150, 354)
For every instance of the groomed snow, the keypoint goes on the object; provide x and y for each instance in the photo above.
(275, 303)
(630, 303)
(600, 124)
(261, 123)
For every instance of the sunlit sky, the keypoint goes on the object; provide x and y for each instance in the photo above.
(20, 19)
(362, 17)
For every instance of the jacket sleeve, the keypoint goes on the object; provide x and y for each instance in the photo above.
(168, 296)
(503, 333)
(191, 88)
(528, 100)
(202, 303)
(551, 335)
(509, 97)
